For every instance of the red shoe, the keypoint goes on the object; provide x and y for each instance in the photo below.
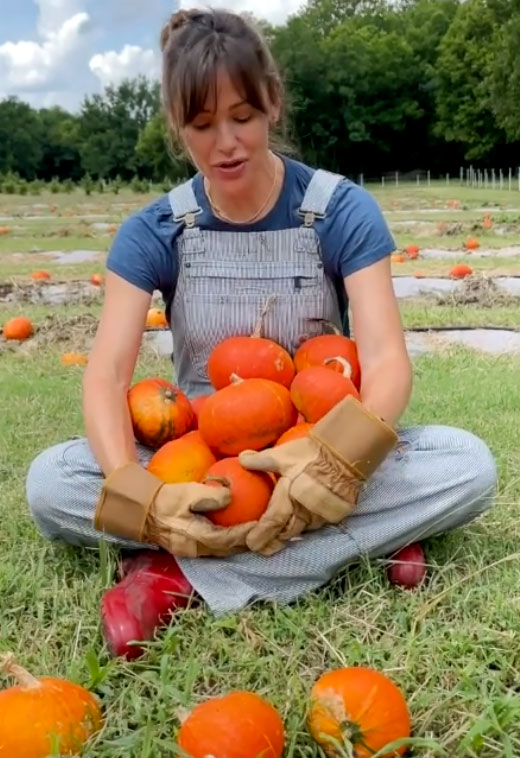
(408, 566)
(152, 588)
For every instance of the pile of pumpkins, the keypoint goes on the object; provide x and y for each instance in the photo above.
(262, 397)
(355, 709)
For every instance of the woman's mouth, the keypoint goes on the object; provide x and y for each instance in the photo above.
(230, 169)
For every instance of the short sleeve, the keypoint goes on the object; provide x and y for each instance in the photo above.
(355, 234)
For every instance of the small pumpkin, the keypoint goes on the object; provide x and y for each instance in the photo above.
(4, 230)
(74, 359)
(186, 459)
(397, 258)
(40, 275)
(160, 412)
(412, 251)
(315, 351)
(18, 328)
(317, 389)
(39, 714)
(156, 319)
(253, 357)
(239, 725)
(250, 492)
(460, 271)
(472, 243)
(196, 404)
(96, 280)
(249, 414)
(360, 709)
(487, 222)
(294, 433)
(112, 228)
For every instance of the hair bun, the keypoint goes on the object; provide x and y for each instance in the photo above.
(177, 21)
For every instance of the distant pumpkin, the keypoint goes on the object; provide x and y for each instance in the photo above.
(19, 328)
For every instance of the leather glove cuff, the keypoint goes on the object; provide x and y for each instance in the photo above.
(355, 435)
(126, 498)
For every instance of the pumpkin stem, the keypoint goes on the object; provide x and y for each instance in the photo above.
(235, 379)
(347, 368)
(223, 480)
(265, 310)
(24, 678)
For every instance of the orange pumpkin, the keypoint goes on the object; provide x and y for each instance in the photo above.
(317, 389)
(487, 222)
(460, 271)
(412, 251)
(38, 714)
(472, 243)
(186, 459)
(19, 328)
(249, 414)
(253, 357)
(4, 230)
(96, 280)
(238, 725)
(74, 359)
(359, 708)
(112, 228)
(40, 275)
(315, 351)
(419, 274)
(250, 492)
(160, 412)
(294, 433)
(156, 319)
(196, 404)
(397, 258)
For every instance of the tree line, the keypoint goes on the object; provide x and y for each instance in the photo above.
(373, 86)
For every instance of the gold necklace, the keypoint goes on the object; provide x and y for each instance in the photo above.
(225, 217)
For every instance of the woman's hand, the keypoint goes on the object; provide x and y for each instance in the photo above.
(386, 374)
(320, 475)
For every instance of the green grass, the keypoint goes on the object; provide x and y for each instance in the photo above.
(452, 646)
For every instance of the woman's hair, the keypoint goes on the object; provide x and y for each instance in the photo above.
(195, 44)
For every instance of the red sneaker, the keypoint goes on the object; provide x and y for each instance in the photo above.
(152, 588)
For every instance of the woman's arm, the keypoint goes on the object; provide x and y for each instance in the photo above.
(109, 373)
(386, 373)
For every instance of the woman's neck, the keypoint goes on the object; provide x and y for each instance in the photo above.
(254, 204)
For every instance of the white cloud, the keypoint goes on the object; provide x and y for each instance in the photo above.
(54, 13)
(274, 11)
(112, 67)
(28, 64)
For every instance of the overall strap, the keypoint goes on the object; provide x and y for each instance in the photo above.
(184, 204)
(319, 193)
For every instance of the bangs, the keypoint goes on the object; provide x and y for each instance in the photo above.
(197, 81)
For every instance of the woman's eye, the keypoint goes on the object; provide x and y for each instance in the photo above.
(201, 127)
(243, 119)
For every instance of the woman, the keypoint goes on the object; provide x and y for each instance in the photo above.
(251, 224)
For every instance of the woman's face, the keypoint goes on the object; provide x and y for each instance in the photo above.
(229, 140)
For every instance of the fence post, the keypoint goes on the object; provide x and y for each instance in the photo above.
(461, 175)
(510, 179)
(382, 181)
(397, 178)
(429, 177)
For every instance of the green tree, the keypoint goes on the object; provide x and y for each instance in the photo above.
(110, 125)
(20, 138)
(154, 151)
(463, 81)
(60, 145)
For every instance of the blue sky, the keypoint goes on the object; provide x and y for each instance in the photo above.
(56, 51)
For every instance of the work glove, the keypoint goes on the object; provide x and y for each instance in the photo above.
(321, 474)
(137, 505)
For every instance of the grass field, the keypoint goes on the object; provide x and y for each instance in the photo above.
(452, 646)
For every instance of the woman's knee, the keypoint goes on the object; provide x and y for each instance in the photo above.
(472, 468)
(43, 488)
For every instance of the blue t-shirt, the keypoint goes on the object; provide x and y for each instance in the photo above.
(353, 234)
